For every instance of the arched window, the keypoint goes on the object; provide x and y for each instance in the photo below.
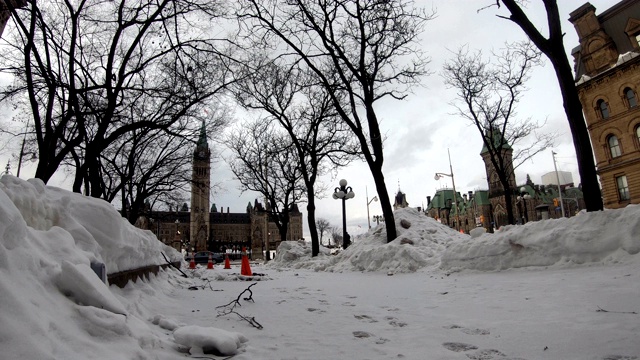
(638, 133)
(623, 187)
(631, 97)
(614, 146)
(604, 109)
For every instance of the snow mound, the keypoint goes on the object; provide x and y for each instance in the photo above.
(416, 247)
(86, 288)
(608, 236)
(111, 240)
(207, 340)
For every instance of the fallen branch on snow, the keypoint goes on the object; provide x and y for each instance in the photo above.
(230, 308)
(616, 312)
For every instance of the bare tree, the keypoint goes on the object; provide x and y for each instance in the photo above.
(306, 113)
(336, 234)
(94, 71)
(264, 161)
(487, 95)
(553, 47)
(361, 51)
(323, 226)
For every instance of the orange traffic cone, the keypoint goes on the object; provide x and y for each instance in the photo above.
(192, 263)
(461, 231)
(245, 268)
(227, 263)
(210, 262)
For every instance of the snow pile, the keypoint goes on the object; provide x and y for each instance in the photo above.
(207, 340)
(86, 229)
(53, 306)
(416, 247)
(608, 236)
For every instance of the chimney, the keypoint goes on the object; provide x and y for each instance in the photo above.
(428, 200)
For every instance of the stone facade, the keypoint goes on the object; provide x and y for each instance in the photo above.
(608, 80)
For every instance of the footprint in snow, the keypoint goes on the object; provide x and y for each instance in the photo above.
(394, 322)
(488, 354)
(468, 331)
(458, 347)
(366, 318)
(619, 357)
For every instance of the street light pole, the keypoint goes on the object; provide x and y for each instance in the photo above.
(558, 180)
(344, 192)
(375, 198)
(453, 182)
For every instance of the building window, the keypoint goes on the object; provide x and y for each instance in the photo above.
(604, 109)
(623, 188)
(631, 97)
(614, 146)
(638, 134)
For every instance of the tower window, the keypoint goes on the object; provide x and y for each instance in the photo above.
(632, 101)
(614, 146)
(638, 133)
(604, 109)
(623, 188)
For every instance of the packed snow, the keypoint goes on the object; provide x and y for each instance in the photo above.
(553, 289)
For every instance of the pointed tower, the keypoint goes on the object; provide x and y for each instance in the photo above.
(495, 187)
(200, 187)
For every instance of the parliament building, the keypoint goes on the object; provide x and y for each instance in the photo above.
(204, 227)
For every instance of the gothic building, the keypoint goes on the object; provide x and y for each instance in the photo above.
(607, 68)
(202, 227)
(488, 208)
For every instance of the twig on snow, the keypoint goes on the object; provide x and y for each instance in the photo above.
(230, 308)
(170, 263)
(615, 312)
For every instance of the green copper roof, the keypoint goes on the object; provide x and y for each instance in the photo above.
(202, 140)
(497, 137)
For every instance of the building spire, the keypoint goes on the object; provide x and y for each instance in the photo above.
(202, 140)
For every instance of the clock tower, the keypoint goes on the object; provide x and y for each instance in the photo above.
(200, 187)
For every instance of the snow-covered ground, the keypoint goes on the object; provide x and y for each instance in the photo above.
(555, 289)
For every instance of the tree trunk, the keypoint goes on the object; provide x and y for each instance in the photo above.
(385, 203)
(311, 219)
(581, 140)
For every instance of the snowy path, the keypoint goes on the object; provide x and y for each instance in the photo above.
(516, 314)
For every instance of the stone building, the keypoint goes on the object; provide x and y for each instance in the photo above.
(608, 80)
(205, 228)
(487, 208)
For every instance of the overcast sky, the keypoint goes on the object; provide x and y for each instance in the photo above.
(421, 128)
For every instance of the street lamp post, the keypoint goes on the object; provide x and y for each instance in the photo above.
(453, 182)
(375, 198)
(524, 196)
(344, 192)
(378, 218)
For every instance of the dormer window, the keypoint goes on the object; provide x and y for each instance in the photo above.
(614, 146)
(632, 101)
(603, 108)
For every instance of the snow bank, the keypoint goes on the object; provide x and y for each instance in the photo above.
(48, 238)
(605, 237)
(85, 229)
(608, 236)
